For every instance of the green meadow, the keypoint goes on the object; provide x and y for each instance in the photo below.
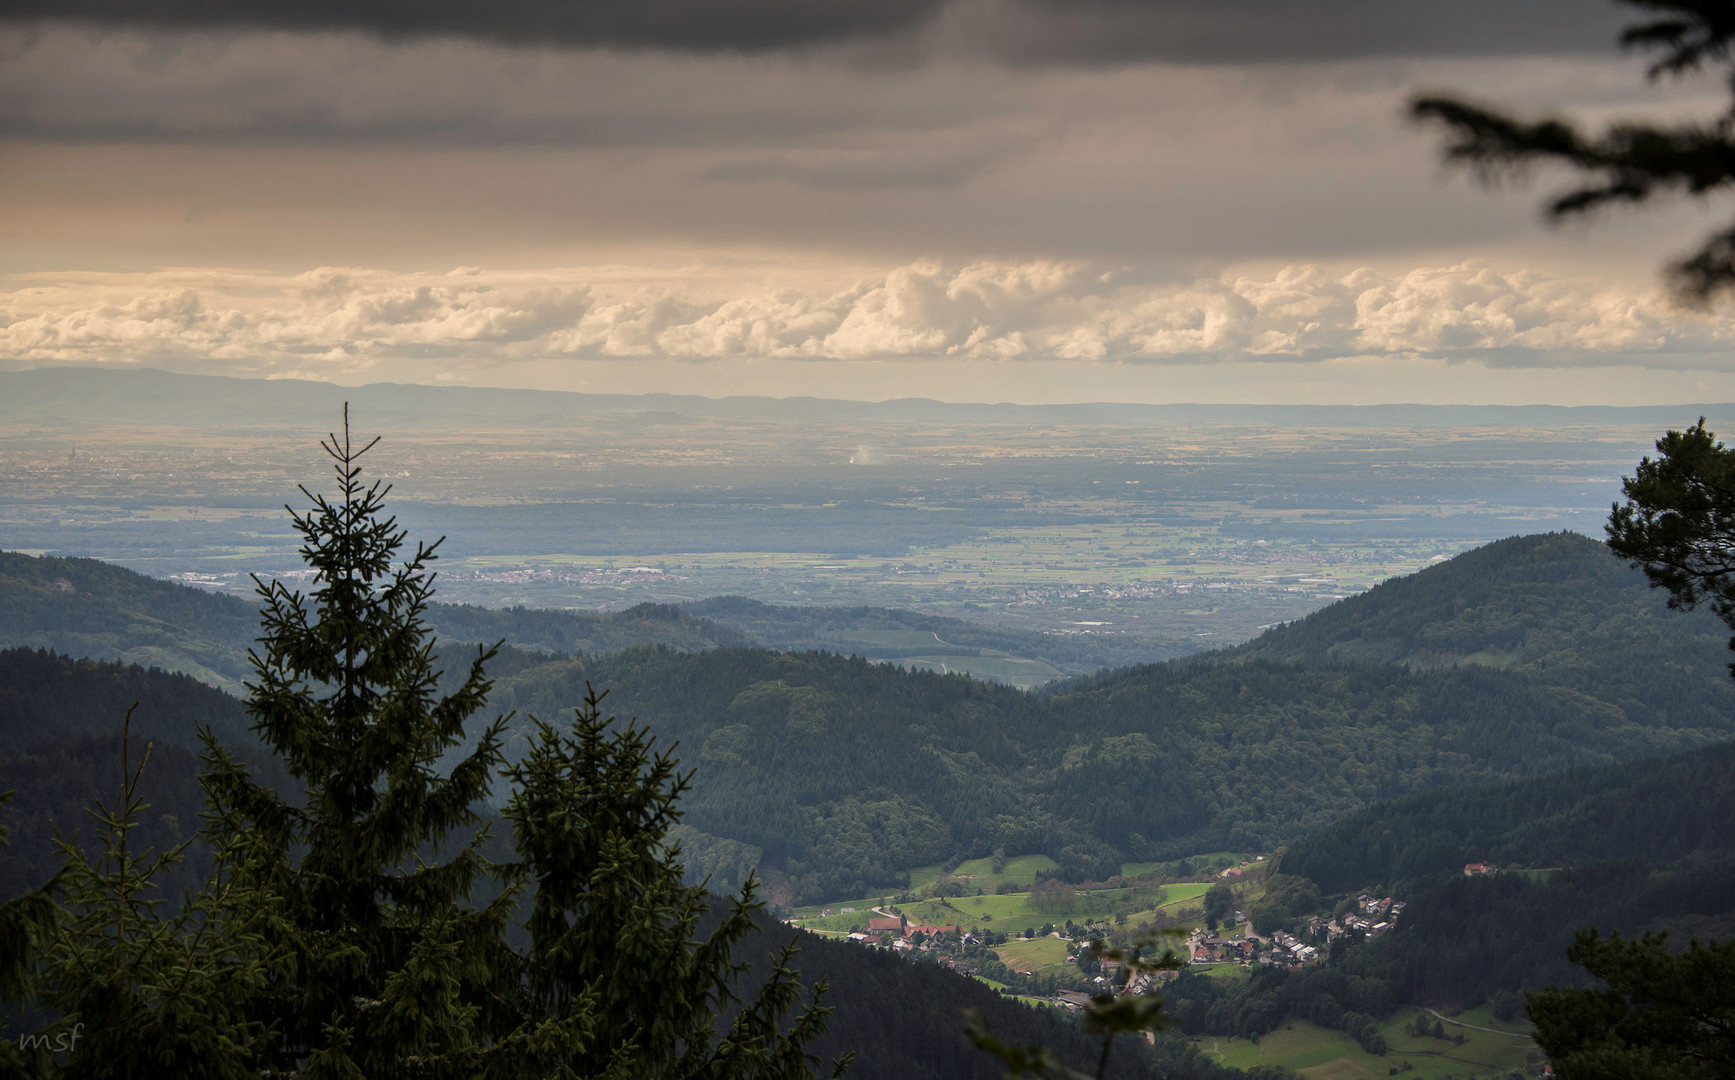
(1323, 1054)
(976, 874)
(1039, 956)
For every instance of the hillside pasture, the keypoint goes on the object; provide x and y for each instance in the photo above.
(1039, 956)
(1324, 1054)
(1020, 870)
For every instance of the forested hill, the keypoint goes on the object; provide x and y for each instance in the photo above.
(89, 608)
(842, 772)
(1658, 811)
(1559, 606)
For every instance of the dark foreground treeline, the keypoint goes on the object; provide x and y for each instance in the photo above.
(60, 751)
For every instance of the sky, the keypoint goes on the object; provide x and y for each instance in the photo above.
(973, 200)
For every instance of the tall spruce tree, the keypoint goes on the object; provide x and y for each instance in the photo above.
(385, 968)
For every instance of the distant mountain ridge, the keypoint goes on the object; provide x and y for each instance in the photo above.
(152, 396)
(89, 608)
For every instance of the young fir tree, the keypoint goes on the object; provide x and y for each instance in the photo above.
(386, 969)
(136, 992)
(617, 973)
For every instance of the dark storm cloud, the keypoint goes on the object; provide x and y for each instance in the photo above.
(1038, 31)
(692, 25)
(1253, 31)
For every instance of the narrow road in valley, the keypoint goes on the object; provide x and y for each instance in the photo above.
(1475, 1027)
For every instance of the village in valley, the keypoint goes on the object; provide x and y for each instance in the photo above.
(1012, 925)
(1044, 941)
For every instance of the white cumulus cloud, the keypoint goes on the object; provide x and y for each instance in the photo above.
(343, 320)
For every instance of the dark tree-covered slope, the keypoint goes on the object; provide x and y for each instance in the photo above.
(1633, 847)
(1659, 811)
(88, 608)
(902, 1020)
(48, 697)
(60, 750)
(843, 772)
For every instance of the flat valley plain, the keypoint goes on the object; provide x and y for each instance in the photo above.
(1143, 540)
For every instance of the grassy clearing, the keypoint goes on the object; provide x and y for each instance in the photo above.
(1323, 1054)
(1038, 955)
(1184, 892)
(1008, 914)
(1180, 894)
(980, 874)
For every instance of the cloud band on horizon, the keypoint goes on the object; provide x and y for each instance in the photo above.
(345, 321)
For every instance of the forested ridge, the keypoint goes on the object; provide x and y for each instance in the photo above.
(841, 629)
(844, 772)
(839, 775)
(91, 609)
(1558, 606)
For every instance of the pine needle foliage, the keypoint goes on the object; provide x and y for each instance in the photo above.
(1658, 1014)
